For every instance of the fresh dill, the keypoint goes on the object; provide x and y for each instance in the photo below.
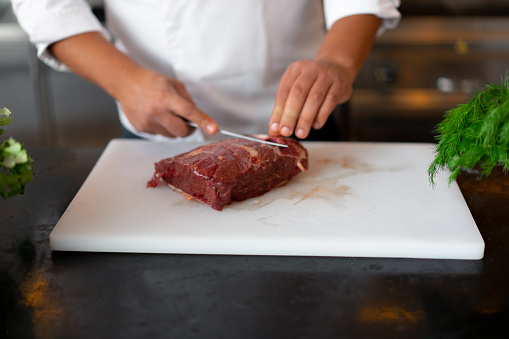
(475, 134)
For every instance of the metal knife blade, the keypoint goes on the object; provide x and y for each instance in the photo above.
(242, 136)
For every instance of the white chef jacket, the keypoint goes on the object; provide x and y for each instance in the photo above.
(230, 54)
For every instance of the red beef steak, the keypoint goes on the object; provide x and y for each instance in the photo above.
(231, 170)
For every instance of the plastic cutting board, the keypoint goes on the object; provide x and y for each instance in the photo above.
(356, 199)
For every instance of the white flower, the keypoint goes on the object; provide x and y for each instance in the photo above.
(13, 154)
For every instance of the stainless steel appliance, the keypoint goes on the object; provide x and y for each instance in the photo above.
(439, 54)
(49, 107)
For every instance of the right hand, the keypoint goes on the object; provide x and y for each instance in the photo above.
(157, 104)
(152, 102)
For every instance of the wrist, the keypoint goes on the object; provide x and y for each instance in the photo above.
(345, 70)
(348, 43)
(118, 81)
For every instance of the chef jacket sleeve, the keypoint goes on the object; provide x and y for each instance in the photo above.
(387, 10)
(49, 21)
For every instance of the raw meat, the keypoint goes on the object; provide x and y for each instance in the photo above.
(231, 170)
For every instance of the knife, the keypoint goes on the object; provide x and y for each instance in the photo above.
(242, 136)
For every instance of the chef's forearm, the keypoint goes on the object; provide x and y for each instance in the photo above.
(152, 102)
(96, 59)
(348, 42)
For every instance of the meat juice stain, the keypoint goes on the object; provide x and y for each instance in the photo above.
(328, 186)
(340, 190)
(255, 203)
(347, 162)
(186, 202)
(323, 188)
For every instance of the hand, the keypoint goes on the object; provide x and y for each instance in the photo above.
(308, 93)
(157, 104)
(152, 102)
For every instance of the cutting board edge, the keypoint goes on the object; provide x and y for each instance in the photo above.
(475, 250)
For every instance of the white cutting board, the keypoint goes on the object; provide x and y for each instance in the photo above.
(356, 199)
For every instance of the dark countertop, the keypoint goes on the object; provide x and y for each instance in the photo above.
(45, 294)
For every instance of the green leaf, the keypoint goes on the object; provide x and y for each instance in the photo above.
(12, 182)
(16, 166)
(475, 133)
(5, 119)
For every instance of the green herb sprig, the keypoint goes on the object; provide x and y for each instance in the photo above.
(16, 166)
(475, 133)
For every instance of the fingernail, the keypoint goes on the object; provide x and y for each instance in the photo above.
(274, 127)
(316, 125)
(300, 133)
(211, 128)
(285, 131)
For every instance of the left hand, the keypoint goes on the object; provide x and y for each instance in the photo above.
(308, 93)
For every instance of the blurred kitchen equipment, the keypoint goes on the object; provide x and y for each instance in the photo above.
(441, 52)
(50, 108)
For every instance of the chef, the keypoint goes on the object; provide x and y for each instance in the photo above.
(254, 66)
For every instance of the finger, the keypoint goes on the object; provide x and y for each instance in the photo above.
(295, 102)
(188, 110)
(173, 125)
(148, 123)
(160, 130)
(153, 126)
(181, 89)
(206, 123)
(311, 108)
(283, 91)
(329, 104)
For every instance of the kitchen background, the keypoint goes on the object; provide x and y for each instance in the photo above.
(441, 51)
